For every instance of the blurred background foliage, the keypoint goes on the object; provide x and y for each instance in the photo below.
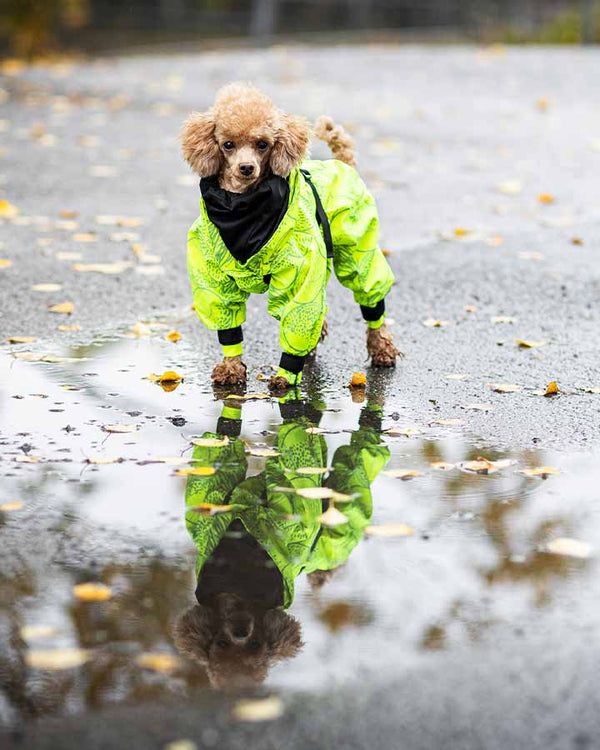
(30, 28)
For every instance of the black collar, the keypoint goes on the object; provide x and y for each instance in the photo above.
(246, 221)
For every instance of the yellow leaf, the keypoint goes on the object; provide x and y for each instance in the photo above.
(5, 263)
(196, 471)
(210, 509)
(21, 339)
(315, 493)
(210, 442)
(316, 430)
(542, 104)
(173, 336)
(509, 187)
(403, 474)
(56, 659)
(107, 268)
(332, 517)
(68, 256)
(551, 388)
(461, 232)
(485, 466)
(163, 663)
(141, 329)
(525, 344)
(546, 198)
(434, 323)
(103, 460)
(46, 287)
(28, 459)
(247, 396)
(307, 470)
(442, 465)
(540, 471)
(402, 431)
(63, 308)
(67, 214)
(84, 237)
(92, 592)
(504, 387)
(449, 422)
(479, 407)
(14, 505)
(261, 709)
(569, 547)
(358, 380)
(470, 308)
(577, 241)
(389, 530)
(69, 327)
(502, 319)
(170, 376)
(7, 210)
(120, 428)
(262, 452)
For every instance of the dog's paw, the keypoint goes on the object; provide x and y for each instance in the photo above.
(381, 348)
(278, 384)
(230, 372)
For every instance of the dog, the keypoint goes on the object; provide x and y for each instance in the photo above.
(273, 221)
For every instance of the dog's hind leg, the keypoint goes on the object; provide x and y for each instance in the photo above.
(381, 348)
(231, 371)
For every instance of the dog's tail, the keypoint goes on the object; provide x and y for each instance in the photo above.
(338, 140)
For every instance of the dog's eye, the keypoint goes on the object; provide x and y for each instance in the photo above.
(254, 646)
(222, 643)
(262, 145)
(228, 145)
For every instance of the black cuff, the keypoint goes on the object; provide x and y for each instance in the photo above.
(230, 336)
(292, 363)
(370, 419)
(371, 314)
(230, 427)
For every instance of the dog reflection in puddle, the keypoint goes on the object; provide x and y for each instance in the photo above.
(266, 535)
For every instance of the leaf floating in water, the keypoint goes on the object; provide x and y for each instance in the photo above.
(569, 547)
(434, 323)
(332, 517)
(442, 466)
(46, 287)
(163, 663)
(504, 387)
(56, 659)
(311, 470)
(262, 709)
(196, 471)
(315, 493)
(63, 308)
(316, 430)
(390, 530)
(485, 466)
(141, 329)
(552, 389)
(120, 428)
(262, 452)
(402, 431)
(247, 396)
(358, 380)
(210, 442)
(509, 187)
(173, 336)
(525, 344)
(92, 592)
(168, 381)
(540, 471)
(103, 460)
(210, 509)
(9, 507)
(449, 422)
(546, 198)
(171, 460)
(21, 340)
(592, 390)
(403, 474)
(28, 459)
(502, 319)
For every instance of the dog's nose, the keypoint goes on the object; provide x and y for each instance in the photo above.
(246, 169)
(241, 632)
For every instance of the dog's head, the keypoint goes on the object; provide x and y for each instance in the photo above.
(244, 138)
(236, 641)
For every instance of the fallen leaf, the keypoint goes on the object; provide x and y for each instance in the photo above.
(123, 237)
(530, 256)
(103, 460)
(569, 547)
(14, 505)
(84, 237)
(5, 263)
(51, 358)
(119, 221)
(171, 460)
(509, 187)
(552, 389)
(210, 509)
(577, 241)
(455, 376)
(449, 422)
(525, 344)
(546, 198)
(196, 471)
(308, 470)
(495, 241)
(401, 474)
(173, 336)
(46, 287)
(21, 340)
(7, 210)
(150, 270)
(28, 459)
(261, 709)
(63, 308)
(141, 329)
(402, 431)
(163, 663)
(461, 232)
(470, 308)
(542, 104)
(502, 319)
(168, 377)
(332, 517)
(484, 465)
(262, 452)
(68, 256)
(504, 387)
(120, 428)
(36, 632)
(107, 268)
(92, 592)
(247, 396)
(591, 390)
(479, 407)
(389, 530)
(316, 493)
(56, 659)
(540, 471)
(101, 170)
(358, 380)
(68, 214)
(181, 745)
(442, 465)
(433, 323)
(210, 442)
(69, 327)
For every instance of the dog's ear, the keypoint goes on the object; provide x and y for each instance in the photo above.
(192, 633)
(199, 145)
(291, 146)
(283, 633)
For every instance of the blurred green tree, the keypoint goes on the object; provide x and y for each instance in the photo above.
(32, 27)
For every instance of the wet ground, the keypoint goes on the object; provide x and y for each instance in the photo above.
(454, 607)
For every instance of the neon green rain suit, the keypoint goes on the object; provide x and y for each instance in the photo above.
(293, 265)
(284, 523)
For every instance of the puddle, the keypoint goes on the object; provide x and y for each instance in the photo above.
(364, 597)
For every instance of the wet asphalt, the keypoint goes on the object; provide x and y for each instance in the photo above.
(457, 144)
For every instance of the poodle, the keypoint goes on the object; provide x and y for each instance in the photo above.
(273, 221)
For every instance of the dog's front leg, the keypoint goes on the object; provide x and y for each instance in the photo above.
(231, 371)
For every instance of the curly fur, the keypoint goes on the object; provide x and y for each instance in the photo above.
(231, 371)
(381, 348)
(340, 143)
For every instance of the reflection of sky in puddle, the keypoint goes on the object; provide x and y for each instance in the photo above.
(473, 565)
